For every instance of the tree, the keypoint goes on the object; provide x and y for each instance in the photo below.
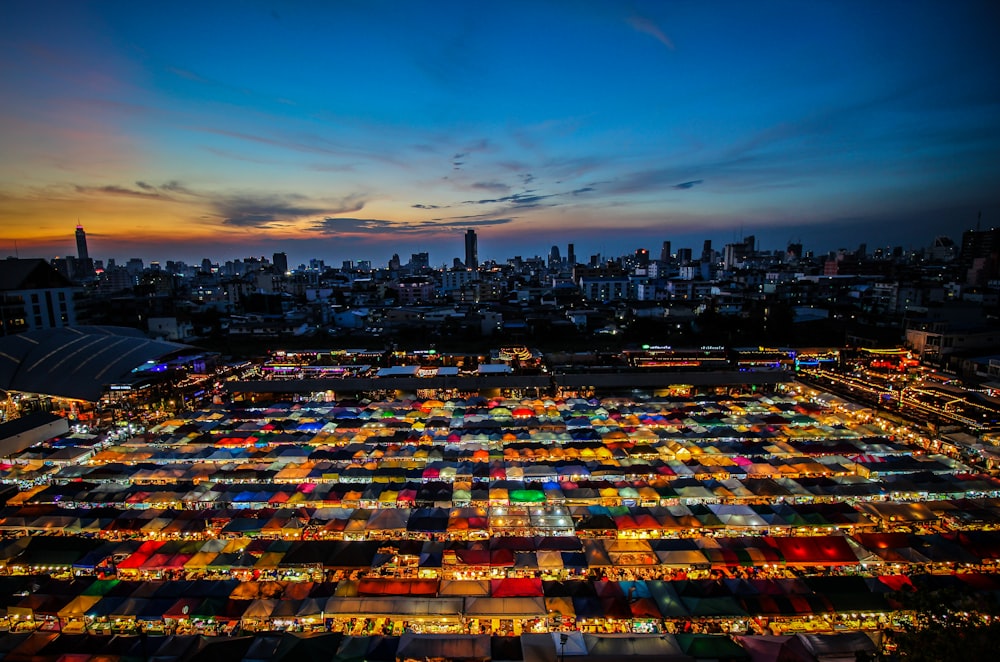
(947, 625)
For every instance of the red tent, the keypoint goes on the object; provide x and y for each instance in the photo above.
(815, 550)
(516, 587)
(389, 586)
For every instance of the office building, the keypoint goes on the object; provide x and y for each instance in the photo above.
(471, 250)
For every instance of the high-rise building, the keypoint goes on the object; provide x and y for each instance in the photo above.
(81, 244)
(83, 266)
(571, 255)
(980, 255)
(554, 258)
(665, 252)
(471, 249)
(420, 261)
(280, 262)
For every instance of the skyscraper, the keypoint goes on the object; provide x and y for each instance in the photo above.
(471, 250)
(571, 255)
(980, 255)
(280, 262)
(81, 244)
(665, 252)
(82, 267)
(554, 258)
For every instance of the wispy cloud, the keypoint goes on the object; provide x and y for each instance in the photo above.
(187, 74)
(646, 26)
(498, 187)
(149, 192)
(526, 199)
(688, 185)
(342, 225)
(310, 143)
(262, 210)
(235, 156)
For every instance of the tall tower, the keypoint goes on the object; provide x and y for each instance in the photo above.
(81, 244)
(471, 250)
(554, 257)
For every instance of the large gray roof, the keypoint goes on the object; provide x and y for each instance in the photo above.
(75, 362)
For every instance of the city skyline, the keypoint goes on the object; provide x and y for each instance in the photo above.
(359, 131)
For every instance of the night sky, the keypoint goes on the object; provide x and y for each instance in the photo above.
(354, 130)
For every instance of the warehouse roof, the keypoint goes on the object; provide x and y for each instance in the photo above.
(75, 362)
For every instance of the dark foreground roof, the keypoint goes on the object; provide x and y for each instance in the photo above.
(75, 362)
(30, 274)
(24, 423)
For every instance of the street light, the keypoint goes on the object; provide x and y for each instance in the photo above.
(563, 638)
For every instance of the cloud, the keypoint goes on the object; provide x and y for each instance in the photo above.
(341, 225)
(459, 158)
(119, 190)
(421, 206)
(186, 74)
(175, 186)
(471, 222)
(237, 209)
(267, 210)
(228, 154)
(646, 26)
(579, 191)
(330, 167)
(481, 145)
(499, 187)
(659, 180)
(525, 199)
(347, 225)
(308, 144)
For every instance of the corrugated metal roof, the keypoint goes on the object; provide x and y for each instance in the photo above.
(75, 362)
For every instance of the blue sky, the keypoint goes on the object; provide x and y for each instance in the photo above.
(354, 130)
